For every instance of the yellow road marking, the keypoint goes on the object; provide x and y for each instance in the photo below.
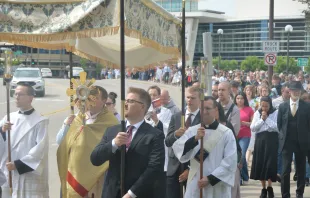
(57, 111)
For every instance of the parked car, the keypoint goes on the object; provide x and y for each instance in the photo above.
(31, 76)
(46, 72)
(76, 72)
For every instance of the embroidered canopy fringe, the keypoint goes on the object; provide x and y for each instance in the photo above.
(90, 29)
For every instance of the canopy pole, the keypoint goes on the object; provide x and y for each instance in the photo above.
(183, 83)
(71, 84)
(8, 78)
(122, 61)
(202, 96)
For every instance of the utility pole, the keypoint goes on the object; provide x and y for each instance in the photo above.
(271, 17)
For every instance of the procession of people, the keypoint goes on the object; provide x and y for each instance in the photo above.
(163, 155)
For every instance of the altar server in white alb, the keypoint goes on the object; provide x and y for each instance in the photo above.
(220, 155)
(29, 149)
(2, 176)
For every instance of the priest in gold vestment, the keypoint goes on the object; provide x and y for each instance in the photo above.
(79, 178)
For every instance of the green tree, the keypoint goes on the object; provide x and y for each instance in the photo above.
(16, 61)
(282, 62)
(233, 64)
(215, 62)
(225, 65)
(83, 63)
(251, 63)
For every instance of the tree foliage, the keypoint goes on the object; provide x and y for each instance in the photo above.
(251, 63)
(83, 63)
(16, 61)
(282, 62)
(225, 65)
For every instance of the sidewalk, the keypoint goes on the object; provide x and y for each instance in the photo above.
(253, 189)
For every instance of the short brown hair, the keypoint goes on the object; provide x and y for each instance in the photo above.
(193, 89)
(30, 90)
(276, 77)
(143, 95)
(155, 87)
(95, 90)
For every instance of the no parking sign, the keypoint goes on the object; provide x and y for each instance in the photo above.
(270, 59)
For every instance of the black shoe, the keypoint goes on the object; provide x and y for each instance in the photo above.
(307, 181)
(264, 193)
(270, 192)
(295, 177)
(299, 196)
(278, 178)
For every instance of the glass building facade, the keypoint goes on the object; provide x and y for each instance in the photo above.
(176, 5)
(242, 39)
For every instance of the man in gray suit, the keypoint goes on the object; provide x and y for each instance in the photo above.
(192, 117)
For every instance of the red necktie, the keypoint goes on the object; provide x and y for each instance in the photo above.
(188, 121)
(129, 132)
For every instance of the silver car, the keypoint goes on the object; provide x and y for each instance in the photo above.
(30, 76)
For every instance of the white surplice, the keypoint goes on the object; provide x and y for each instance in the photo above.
(2, 147)
(29, 143)
(221, 162)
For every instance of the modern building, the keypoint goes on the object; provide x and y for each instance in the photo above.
(56, 60)
(245, 24)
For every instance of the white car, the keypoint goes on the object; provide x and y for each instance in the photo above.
(31, 76)
(46, 72)
(76, 72)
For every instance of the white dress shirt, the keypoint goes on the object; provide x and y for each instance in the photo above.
(134, 130)
(115, 147)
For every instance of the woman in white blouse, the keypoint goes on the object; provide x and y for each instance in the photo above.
(264, 164)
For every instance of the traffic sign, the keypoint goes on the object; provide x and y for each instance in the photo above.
(271, 46)
(302, 62)
(270, 59)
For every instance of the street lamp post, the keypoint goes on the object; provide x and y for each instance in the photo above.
(220, 33)
(288, 30)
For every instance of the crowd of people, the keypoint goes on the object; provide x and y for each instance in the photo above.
(246, 117)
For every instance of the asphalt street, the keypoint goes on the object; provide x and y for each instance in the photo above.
(55, 105)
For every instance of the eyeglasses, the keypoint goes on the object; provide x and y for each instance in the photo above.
(108, 103)
(132, 101)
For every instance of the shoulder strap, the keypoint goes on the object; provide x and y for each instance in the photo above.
(229, 111)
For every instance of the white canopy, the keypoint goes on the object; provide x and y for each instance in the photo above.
(90, 29)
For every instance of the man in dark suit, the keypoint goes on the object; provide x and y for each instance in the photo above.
(192, 117)
(294, 134)
(145, 154)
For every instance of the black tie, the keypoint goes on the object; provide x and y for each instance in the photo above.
(188, 121)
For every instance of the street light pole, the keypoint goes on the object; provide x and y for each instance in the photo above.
(220, 33)
(271, 18)
(288, 29)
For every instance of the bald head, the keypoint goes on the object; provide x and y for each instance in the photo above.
(225, 84)
(164, 97)
(224, 90)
